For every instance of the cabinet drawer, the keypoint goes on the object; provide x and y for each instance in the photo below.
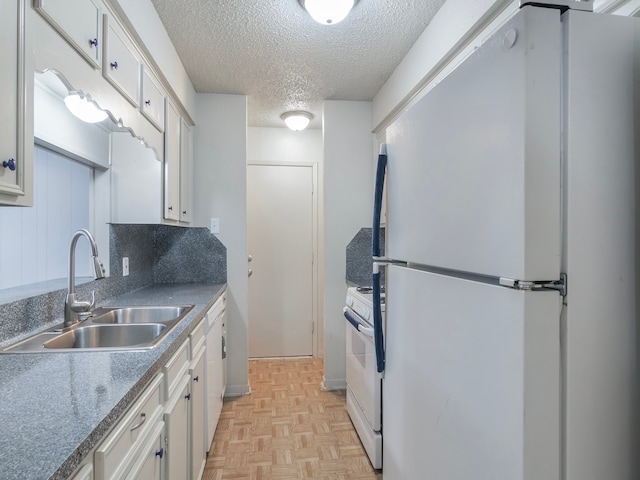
(78, 21)
(152, 104)
(121, 65)
(148, 465)
(197, 339)
(175, 368)
(85, 473)
(111, 457)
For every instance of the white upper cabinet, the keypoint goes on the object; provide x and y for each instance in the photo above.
(172, 164)
(186, 169)
(16, 114)
(121, 62)
(152, 104)
(79, 22)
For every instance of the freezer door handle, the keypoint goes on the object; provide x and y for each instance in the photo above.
(352, 317)
(377, 200)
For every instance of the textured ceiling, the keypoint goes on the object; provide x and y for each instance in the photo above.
(273, 52)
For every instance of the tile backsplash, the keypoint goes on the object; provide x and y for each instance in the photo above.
(157, 254)
(359, 262)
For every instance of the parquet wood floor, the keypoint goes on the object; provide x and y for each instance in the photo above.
(287, 428)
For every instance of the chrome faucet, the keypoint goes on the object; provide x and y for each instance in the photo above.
(73, 308)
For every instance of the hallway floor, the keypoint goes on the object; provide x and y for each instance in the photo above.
(288, 428)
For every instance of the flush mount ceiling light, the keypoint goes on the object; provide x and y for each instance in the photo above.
(328, 12)
(83, 108)
(297, 120)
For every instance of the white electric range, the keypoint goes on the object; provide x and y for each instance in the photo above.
(364, 384)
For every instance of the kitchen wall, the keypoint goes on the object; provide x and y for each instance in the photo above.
(349, 146)
(219, 186)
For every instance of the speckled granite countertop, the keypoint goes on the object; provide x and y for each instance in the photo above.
(55, 407)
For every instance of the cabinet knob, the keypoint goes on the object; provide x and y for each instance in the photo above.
(196, 379)
(188, 396)
(184, 212)
(147, 102)
(170, 208)
(93, 42)
(160, 453)
(114, 65)
(10, 164)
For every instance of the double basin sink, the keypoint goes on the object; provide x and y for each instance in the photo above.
(108, 328)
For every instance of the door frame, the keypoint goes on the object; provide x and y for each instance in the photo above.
(314, 224)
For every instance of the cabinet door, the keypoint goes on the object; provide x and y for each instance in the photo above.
(176, 420)
(121, 65)
(198, 455)
(185, 172)
(16, 160)
(152, 104)
(172, 163)
(149, 464)
(78, 21)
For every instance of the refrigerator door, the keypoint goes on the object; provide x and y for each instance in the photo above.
(474, 166)
(471, 387)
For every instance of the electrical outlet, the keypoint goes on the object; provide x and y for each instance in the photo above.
(125, 266)
(215, 225)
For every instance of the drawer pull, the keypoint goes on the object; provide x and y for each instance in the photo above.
(114, 65)
(93, 42)
(147, 102)
(195, 379)
(188, 396)
(138, 425)
(160, 453)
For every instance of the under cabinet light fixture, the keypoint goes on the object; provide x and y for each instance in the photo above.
(328, 12)
(83, 108)
(297, 120)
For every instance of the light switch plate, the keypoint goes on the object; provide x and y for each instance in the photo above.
(125, 266)
(215, 225)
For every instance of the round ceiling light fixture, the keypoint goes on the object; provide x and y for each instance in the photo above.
(297, 120)
(83, 108)
(328, 12)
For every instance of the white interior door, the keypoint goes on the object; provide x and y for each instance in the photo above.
(280, 238)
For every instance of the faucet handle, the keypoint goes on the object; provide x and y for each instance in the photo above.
(83, 306)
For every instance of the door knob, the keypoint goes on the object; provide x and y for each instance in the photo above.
(250, 272)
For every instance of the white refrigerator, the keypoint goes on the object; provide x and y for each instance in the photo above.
(510, 343)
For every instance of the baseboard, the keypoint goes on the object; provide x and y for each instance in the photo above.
(334, 384)
(237, 390)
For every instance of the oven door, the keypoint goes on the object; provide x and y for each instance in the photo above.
(362, 378)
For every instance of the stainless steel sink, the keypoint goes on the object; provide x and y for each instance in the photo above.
(108, 328)
(107, 336)
(138, 314)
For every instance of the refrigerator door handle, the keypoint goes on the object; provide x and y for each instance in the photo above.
(377, 200)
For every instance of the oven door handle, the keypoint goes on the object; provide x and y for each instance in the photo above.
(354, 320)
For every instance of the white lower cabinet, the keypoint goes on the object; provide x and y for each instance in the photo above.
(162, 436)
(149, 458)
(176, 419)
(116, 455)
(197, 423)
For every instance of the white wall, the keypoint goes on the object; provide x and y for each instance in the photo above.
(220, 190)
(348, 204)
(278, 145)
